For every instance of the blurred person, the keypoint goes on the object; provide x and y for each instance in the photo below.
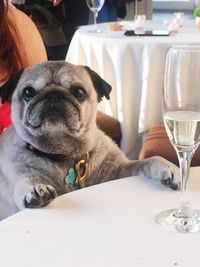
(76, 13)
(20, 46)
(49, 17)
(57, 21)
(112, 10)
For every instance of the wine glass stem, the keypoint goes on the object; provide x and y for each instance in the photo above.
(184, 162)
(95, 20)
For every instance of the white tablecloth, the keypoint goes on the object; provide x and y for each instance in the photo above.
(108, 225)
(134, 67)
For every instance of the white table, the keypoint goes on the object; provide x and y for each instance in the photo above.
(108, 225)
(134, 67)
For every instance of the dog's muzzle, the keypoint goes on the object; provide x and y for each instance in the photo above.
(51, 108)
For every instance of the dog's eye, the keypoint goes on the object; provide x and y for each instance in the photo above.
(79, 93)
(28, 93)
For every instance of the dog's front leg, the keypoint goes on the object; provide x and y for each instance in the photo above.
(27, 195)
(156, 168)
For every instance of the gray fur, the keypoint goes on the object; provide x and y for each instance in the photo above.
(66, 127)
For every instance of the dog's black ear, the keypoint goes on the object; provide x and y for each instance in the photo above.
(7, 89)
(101, 86)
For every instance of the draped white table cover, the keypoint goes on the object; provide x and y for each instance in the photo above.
(107, 225)
(134, 67)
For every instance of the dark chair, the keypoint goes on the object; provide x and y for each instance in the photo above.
(109, 126)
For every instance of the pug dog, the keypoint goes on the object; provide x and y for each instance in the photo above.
(54, 145)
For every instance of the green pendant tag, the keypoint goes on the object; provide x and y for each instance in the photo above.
(70, 179)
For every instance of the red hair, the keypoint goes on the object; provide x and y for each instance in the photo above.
(10, 50)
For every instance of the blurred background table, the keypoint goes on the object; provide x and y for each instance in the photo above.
(107, 225)
(134, 67)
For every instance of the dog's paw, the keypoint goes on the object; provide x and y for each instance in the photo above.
(167, 173)
(39, 196)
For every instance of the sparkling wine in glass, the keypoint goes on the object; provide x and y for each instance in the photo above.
(181, 114)
(95, 6)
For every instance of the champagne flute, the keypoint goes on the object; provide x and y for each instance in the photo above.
(181, 114)
(95, 6)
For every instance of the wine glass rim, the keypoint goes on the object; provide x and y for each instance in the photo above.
(185, 47)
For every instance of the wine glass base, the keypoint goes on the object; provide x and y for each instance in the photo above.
(176, 221)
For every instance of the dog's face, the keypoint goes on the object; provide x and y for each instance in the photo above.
(54, 99)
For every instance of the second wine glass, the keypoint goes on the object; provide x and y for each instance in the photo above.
(95, 6)
(181, 114)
